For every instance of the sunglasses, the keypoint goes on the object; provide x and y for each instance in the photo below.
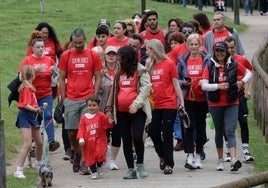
(187, 31)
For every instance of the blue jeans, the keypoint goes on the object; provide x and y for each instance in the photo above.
(48, 123)
(248, 6)
(177, 128)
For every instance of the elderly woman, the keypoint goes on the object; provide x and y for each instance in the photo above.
(222, 79)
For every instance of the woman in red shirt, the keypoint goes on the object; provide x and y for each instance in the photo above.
(166, 90)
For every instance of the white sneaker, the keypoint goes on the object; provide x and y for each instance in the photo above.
(94, 176)
(149, 143)
(189, 163)
(19, 174)
(227, 158)
(220, 165)
(247, 157)
(100, 171)
(197, 162)
(113, 165)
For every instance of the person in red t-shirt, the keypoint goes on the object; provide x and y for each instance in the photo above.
(244, 95)
(190, 67)
(101, 38)
(120, 37)
(43, 66)
(92, 136)
(166, 91)
(79, 65)
(26, 119)
(131, 107)
(222, 79)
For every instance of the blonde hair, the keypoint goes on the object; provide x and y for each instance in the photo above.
(191, 37)
(27, 75)
(157, 47)
(130, 22)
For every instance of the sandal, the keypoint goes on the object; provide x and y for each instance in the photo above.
(168, 170)
(162, 164)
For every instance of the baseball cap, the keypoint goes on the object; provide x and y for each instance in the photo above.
(110, 49)
(104, 22)
(221, 46)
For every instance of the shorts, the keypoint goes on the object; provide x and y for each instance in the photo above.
(73, 110)
(26, 119)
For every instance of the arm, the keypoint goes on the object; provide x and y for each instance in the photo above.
(178, 91)
(98, 80)
(245, 79)
(249, 88)
(62, 85)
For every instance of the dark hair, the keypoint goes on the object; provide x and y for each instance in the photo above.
(128, 60)
(227, 53)
(136, 37)
(187, 24)
(196, 26)
(230, 39)
(51, 32)
(136, 14)
(102, 29)
(177, 20)
(142, 27)
(176, 36)
(124, 26)
(203, 20)
(93, 98)
(151, 13)
(78, 32)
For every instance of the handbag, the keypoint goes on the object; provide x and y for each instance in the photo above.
(58, 112)
(13, 86)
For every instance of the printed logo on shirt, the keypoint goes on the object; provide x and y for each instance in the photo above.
(222, 77)
(46, 50)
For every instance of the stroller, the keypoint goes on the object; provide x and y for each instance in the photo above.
(219, 5)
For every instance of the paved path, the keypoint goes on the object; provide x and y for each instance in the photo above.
(181, 177)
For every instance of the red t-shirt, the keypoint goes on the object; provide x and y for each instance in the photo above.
(93, 131)
(127, 91)
(80, 68)
(195, 71)
(220, 35)
(241, 70)
(27, 96)
(50, 49)
(42, 81)
(164, 94)
(147, 35)
(113, 41)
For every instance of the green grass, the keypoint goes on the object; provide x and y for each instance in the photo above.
(20, 17)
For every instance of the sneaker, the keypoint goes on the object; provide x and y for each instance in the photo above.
(235, 164)
(83, 170)
(189, 163)
(131, 174)
(168, 170)
(178, 146)
(19, 174)
(113, 165)
(247, 157)
(100, 171)
(94, 176)
(53, 145)
(227, 158)
(197, 162)
(149, 143)
(220, 165)
(203, 155)
(66, 155)
(76, 162)
(71, 157)
(142, 172)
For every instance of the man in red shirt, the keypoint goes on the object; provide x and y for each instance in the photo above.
(78, 66)
(244, 95)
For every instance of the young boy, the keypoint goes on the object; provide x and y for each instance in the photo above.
(92, 136)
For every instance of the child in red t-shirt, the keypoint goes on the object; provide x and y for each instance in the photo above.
(92, 136)
(26, 119)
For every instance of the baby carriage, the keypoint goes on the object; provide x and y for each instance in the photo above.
(219, 5)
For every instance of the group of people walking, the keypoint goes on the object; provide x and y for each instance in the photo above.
(129, 85)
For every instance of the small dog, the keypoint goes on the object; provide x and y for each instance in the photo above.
(46, 175)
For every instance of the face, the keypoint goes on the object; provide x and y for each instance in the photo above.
(130, 29)
(45, 33)
(111, 57)
(150, 52)
(173, 26)
(102, 39)
(119, 31)
(194, 46)
(231, 47)
(173, 44)
(152, 22)
(220, 54)
(218, 22)
(79, 43)
(186, 31)
(92, 106)
(38, 48)
(134, 43)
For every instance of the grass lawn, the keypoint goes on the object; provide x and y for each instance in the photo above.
(20, 17)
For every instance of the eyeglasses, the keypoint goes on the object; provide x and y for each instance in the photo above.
(187, 31)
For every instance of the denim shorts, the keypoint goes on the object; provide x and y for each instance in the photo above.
(73, 110)
(26, 119)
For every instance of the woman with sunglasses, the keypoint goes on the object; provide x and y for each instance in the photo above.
(190, 69)
(222, 79)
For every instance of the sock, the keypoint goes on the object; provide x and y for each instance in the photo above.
(19, 168)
